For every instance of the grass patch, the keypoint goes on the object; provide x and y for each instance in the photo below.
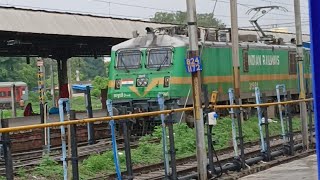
(49, 169)
(150, 153)
(8, 113)
(78, 103)
(22, 173)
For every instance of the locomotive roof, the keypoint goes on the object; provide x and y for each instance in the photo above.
(151, 41)
(9, 84)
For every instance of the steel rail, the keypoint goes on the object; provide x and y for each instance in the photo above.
(137, 115)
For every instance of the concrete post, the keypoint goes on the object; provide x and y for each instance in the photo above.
(196, 87)
(299, 58)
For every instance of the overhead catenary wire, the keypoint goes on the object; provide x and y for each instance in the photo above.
(132, 5)
(276, 24)
(176, 11)
(72, 11)
(254, 5)
(214, 7)
(138, 6)
(277, 3)
(282, 3)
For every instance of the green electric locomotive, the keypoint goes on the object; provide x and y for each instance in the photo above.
(145, 66)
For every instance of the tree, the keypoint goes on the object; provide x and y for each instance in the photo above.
(89, 68)
(204, 20)
(98, 84)
(16, 69)
(28, 74)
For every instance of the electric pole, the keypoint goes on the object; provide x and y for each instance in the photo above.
(235, 53)
(236, 71)
(195, 69)
(299, 59)
(235, 47)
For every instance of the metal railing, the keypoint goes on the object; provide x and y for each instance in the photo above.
(137, 115)
(72, 144)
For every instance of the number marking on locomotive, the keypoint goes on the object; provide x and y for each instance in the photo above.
(193, 64)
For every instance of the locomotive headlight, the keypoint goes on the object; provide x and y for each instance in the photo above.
(142, 82)
(166, 81)
(117, 84)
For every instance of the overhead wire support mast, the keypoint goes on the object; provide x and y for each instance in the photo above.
(196, 85)
(236, 70)
(299, 58)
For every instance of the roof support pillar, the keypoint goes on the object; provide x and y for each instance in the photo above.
(63, 77)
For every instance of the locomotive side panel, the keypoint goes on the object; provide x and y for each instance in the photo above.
(261, 65)
(267, 68)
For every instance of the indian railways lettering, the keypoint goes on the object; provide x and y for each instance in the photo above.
(264, 60)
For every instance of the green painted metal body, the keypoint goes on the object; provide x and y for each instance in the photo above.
(267, 67)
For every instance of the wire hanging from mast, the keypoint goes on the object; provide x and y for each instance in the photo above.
(214, 8)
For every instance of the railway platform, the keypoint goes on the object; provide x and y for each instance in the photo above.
(301, 169)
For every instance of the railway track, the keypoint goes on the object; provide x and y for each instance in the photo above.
(189, 164)
(32, 158)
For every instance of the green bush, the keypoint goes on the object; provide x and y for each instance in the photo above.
(98, 84)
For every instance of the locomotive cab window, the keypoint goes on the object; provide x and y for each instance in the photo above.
(158, 58)
(128, 59)
(245, 59)
(292, 63)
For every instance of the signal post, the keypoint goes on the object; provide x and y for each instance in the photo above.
(40, 65)
(193, 65)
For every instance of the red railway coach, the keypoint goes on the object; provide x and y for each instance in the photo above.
(21, 93)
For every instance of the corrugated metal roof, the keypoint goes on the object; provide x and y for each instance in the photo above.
(62, 23)
(44, 22)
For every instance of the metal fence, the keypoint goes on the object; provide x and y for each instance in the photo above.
(123, 124)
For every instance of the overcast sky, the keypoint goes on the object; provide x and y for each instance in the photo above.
(147, 8)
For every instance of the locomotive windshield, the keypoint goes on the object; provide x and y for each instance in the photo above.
(159, 58)
(129, 59)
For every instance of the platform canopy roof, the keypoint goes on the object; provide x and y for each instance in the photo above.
(38, 32)
(28, 32)
(61, 23)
